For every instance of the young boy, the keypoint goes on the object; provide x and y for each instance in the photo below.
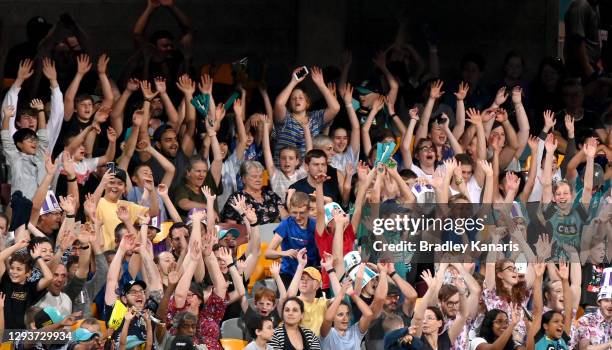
(262, 332)
(316, 166)
(289, 171)
(21, 294)
(294, 233)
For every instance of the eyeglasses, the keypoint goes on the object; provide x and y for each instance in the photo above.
(509, 268)
(136, 291)
(452, 303)
(426, 148)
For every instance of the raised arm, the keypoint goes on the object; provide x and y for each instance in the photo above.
(332, 309)
(160, 86)
(460, 109)
(381, 62)
(239, 291)
(267, 148)
(355, 127)
(83, 66)
(407, 139)
(280, 104)
(109, 156)
(114, 269)
(141, 23)
(295, 281)
(435, 93)
(333, 107)
(522, 119)
(550, 145)
(241, 131)
(590, 149)
(365, 128)
(116, 116)
(47, 277)
(12, 96)
(219, 283)
(107, 90)
(182, 288)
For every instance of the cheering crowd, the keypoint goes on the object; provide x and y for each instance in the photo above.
(184, 207)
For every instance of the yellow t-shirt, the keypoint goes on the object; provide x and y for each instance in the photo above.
(107, 213)
(314, 314)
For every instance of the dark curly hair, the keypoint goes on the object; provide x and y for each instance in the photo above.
(486, 329)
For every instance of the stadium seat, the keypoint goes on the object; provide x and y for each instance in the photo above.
(234, 328)
(267, 282)
(233, 344)
(262, 270)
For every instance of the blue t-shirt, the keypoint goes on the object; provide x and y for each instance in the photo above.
(294, 237)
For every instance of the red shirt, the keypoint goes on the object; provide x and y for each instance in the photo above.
(325, 242)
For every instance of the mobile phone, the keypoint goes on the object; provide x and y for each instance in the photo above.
(301, 73)
(111, 166)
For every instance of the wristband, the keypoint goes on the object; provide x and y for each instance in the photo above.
(392, 274)
(70, 216)
(72, 180)
(393, 115)
(40, 110)
(331, 270)
(36, 258)
(233, 264)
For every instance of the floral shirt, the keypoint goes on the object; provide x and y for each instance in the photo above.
(593, 327)
(494, 301)
(267, 211)
(208, 331)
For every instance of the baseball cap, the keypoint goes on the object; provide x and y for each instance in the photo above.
(313, 273)
(133, 341)
(230, 231)
(330, 208)
(82, 334)
(369, 86)
(128, 286)
(47, 317)
(50, 205)
(351, 259)
(38, 24)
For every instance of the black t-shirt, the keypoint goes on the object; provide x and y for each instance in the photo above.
(180, 161)
(73, 127)
(376, 331)
(585, 126)
(250, 318)
(19, 298)
(330, 188)
(591, 282)
(356, 312)
(444, 342)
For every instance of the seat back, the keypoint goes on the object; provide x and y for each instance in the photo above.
(234, 328)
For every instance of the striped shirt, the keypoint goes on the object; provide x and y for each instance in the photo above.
(290, 132)
(341, 160)
(280, 337)
(229, 178)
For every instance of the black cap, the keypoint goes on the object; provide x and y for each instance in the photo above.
(38, 24)
(369, 86)
(23, 133)
(182, 342)
(120, 174)
(128, 286)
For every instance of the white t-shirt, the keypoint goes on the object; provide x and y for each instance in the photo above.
(474, 190)
(62, 303)
(477, 341)
(340, 160)
(420, 173)
(253, 346)
(82, 169)
(350, 341)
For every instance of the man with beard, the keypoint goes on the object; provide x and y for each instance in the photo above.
(134, 293)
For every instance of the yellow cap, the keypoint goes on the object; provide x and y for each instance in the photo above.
(313, 273)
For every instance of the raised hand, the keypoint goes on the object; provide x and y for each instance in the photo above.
(25, 69)
(90, 206)
(435, 90)
(206, 84)
(450, 164)
(563, 270)
(68, 204)
(238, 110)
(428, 278)
(328, 261)
(162, 190)
(103, 63)
(512, 181)
(8, 111)
(294, 74)
(463, 91)
(379, 103)
(275, 269)
(501, 115)
(36, 251)
(590, 147)
(83, 64)
(550, 144)
(173, 273)
(123, 214)
(160, 84)
(37, 104)
(198, 215)
(473, 116)
(101, 115)
(517, 94)
(501, 96)
(133, 85)
(316, 74)
(533, 143)
(195, 252)
(225, 255)
(208, 194)
(50, 166)
(186, 85)
(414, 113)
(348, 95)
(569, 125)
(543, 246)
(302, 258)
(549, 120)
(130, 314)
(496, 143)
(49, 69)
(145, 87)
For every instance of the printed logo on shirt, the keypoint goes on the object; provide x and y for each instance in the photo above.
(19, 296)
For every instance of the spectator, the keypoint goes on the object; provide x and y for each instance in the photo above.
(291, 334)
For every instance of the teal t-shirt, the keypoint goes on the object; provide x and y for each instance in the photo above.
(566, 229)
(546, 343)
